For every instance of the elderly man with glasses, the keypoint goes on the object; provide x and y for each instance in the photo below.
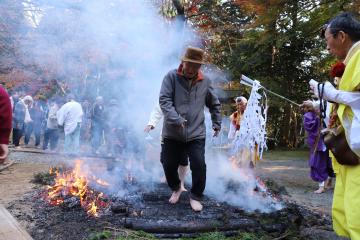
(342, 35)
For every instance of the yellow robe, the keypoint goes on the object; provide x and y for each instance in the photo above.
(346, 201)
(245, 156)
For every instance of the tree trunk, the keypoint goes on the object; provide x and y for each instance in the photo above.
(285, 127)
(179, 7)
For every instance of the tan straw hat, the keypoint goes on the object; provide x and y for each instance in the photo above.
(195, 55)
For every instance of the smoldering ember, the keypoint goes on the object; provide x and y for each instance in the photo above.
(179, 119)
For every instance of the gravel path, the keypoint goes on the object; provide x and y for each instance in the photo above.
(290, 169)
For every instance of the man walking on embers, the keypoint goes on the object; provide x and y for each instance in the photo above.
(184, 94)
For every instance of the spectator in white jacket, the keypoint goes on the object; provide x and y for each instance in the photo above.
(70, 117)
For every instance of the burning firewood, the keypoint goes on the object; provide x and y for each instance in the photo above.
(71, 188)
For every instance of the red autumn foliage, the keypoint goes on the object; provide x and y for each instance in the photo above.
(255, 6)
(193, 10)
(337, 70)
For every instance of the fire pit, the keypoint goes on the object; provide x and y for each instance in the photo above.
(77, 215)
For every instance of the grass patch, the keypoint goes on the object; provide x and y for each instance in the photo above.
(121, 234)
(101, 235)
(221, 236)
(208, 236)
(248, 236)
(43, 178)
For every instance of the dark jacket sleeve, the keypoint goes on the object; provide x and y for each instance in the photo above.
(166, 100)
(213, 103)
(5, 116)
(97, 113)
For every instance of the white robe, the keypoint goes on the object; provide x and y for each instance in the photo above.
(155, 116)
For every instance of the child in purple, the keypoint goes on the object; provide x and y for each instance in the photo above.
(319, 162)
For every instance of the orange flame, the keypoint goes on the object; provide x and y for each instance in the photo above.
(75, 183)
(102, 182)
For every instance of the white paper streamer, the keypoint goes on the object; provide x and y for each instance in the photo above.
(252, 127)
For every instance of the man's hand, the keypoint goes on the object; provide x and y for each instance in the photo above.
(314, 88)
(216, 132)
(148, 128)
(4, 152)
(307, 103)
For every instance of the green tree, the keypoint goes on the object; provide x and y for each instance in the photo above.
(279, 45)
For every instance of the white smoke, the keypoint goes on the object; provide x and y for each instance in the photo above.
(119, 49)
(229, 177)
(237, 186)
(122, 49)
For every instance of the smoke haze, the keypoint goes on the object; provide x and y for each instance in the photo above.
(122, 50)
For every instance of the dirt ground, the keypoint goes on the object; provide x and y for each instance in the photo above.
(15, 180)
(286, 168)
(290, 170)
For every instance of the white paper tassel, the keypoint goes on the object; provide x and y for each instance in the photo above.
(253, 125)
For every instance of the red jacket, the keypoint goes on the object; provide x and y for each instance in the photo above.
(5, 116)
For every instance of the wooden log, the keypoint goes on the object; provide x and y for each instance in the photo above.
(175, 226)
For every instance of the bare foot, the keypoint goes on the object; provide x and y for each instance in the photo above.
(196, 205)
(175, 196)
(320, 190)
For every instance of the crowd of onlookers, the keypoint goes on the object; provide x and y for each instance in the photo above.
(47, 121)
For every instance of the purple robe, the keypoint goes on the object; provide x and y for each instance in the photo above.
(319, 162)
